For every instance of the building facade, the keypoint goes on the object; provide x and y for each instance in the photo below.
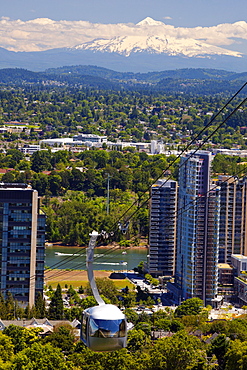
(162, 235)
(233, 217)
(22, 241)
(198, 230)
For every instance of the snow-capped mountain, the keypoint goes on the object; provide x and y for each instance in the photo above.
(148, 21)
(149, 45)
(155, 45)
(151, 37)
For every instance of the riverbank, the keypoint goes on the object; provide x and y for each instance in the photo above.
(78, 278)
(108, 246)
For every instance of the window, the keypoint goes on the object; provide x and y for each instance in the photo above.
(84, 326)
(107, 328)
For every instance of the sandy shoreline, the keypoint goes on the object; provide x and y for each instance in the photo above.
(109, 246)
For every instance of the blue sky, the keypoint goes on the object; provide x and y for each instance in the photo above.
(183, 13)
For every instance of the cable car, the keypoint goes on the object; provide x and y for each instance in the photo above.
(103, 327)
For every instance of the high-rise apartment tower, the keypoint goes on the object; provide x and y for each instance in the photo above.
(197, 230)
(162, 234)
(233, 217)
(22, 243)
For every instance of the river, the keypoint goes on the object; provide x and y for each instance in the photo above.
(61, 257)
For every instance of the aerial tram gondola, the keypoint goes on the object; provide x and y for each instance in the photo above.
(103, 327)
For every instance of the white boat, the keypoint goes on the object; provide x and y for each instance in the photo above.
(124, 252)
(66, 254)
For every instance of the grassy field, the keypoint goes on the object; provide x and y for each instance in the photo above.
(78, 278)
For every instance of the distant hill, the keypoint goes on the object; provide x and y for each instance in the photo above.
(184, 73)
(135, 62)
(195, 81)
(23, 76)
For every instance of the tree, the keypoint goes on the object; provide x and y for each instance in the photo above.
(191, 306)
(181, 351)
(40, 306)
(56, 309)
(219, 347)
(41, 161)
(8, 177)
(10, 306)
(38, 357)
(3, 308)
(62, 337)
(129, 299)
(22, 337)
(85, 359)
(40, 183)
(16, 156)
(105, 287)
(176, 326)
(90, 302)
(236, 356)
(144, 326)
(6, 347)
(131, 315)
(137, 339)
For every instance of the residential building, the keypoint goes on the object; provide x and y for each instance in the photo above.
(239, 263)
(233, 217)
(162, 235)
(226, 281)
(197, 230)
(22, 243)
(91, 138)
(47, 326)
(30, 149)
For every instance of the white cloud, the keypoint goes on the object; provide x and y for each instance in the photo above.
(167, 17)
(43, 33)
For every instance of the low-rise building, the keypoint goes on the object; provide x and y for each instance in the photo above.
(30, 149)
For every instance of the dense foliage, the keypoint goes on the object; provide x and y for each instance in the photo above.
(198, 345)
(188, 80)
(171, 117)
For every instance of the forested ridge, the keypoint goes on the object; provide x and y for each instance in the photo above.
(189, 80)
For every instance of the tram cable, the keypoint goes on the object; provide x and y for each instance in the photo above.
(190, 154)
(70, 258)
(192, 141)
(180, 211)
(185, 150)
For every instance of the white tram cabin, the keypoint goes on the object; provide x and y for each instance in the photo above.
(104, 328)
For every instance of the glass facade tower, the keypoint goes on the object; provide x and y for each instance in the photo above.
(22, 241)
(162, 232)
(233, 217)
(197, 230)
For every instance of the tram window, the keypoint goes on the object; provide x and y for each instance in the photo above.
(107, 328)
(122, 329)
(84, 325)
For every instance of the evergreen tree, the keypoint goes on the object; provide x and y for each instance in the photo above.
(10, 306)
(3, 308)
(40, 307)
(56, 309)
